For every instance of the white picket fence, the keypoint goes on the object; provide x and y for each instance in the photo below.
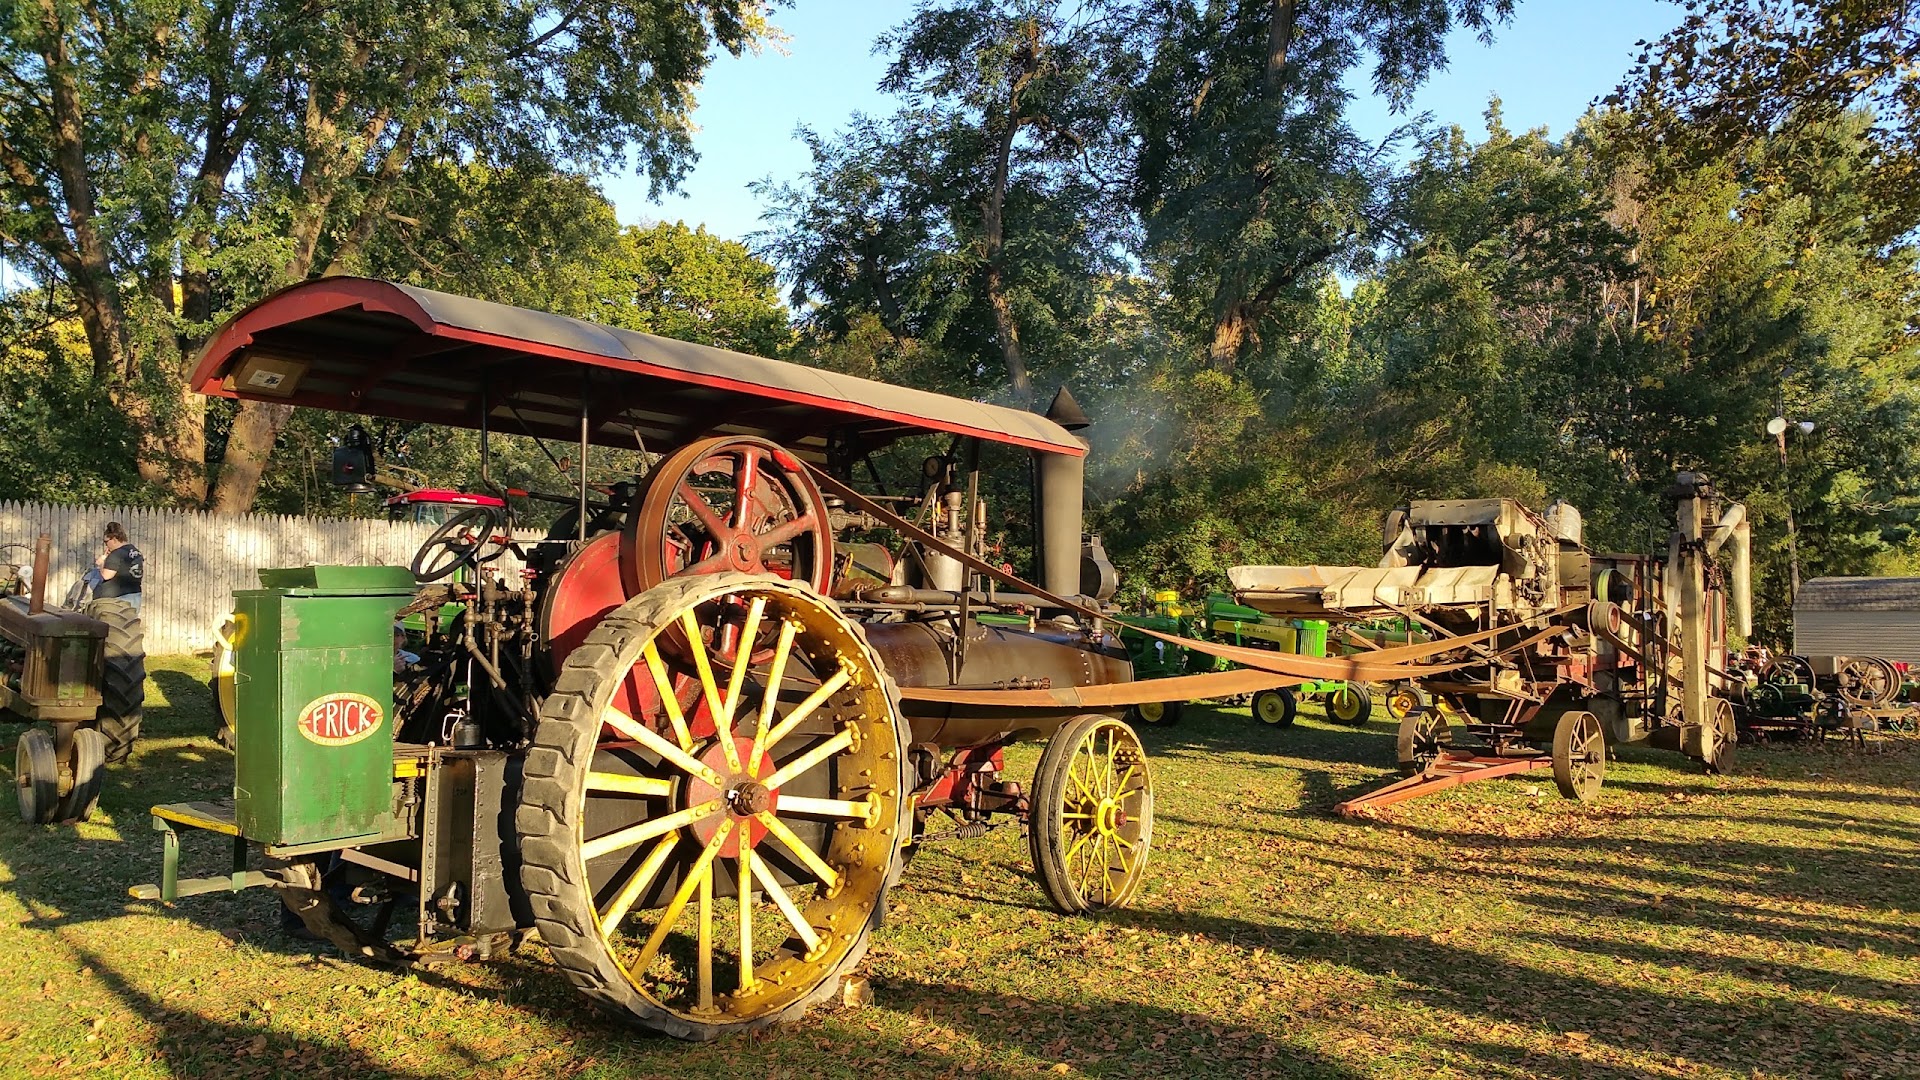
(195, 561)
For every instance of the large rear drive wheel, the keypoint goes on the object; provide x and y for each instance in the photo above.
(1092, 823)
(123, 687)
(704, 855)
(1579, 755)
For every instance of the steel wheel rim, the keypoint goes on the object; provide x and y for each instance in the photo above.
(1106, 815)
(724, 808)
(1401, 703)
(1589, 753)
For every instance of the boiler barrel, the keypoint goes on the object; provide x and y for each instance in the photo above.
(916, 653)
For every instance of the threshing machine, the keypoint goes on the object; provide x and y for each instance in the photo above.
(691, 751)
(1602, 648)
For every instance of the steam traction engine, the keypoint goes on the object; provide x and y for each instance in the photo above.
(690, 740)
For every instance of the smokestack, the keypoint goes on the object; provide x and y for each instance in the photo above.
(1059, 495)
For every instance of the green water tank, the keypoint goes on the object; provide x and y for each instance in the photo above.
(313, 684)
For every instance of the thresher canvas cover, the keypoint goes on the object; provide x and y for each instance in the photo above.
(385, 349)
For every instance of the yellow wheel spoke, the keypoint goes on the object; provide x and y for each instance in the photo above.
(658, 668)
(705, 999)
(702, 867)
(778, 894)
(647, 830)
(637, 884)
(778, 830)
(649, 738)
(776, 672)
(805, 709)
(709, 686)
(1075, 848)
(628, 785)
(865, 811)
(746, 916)
(785, 773)
(742, 659)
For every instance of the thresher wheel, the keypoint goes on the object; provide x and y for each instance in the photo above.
(1424, 736)
(1718, 743)
(1404, 699)
(1092, 822)
(1869, 681)
(704, 855)
(1275, 708)
(1158, 713)
(1579, 755)
(1351, 705)
(123, 690)
(89, 769)
(37, 775)
(728, 504)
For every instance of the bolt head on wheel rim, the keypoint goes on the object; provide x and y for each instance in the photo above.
(688, 794)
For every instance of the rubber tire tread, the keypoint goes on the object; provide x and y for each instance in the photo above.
(89, 775)
(562, 750)
(1289, 707)
(45, 771)
(1049, 782)
(1361, 718)
(123, 683)
(1173, 711)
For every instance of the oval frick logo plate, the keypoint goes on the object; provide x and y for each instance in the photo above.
(340, 719)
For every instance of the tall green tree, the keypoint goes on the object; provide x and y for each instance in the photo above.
(1248, 181)
(165, 162)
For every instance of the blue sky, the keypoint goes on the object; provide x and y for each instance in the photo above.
(1554, 58)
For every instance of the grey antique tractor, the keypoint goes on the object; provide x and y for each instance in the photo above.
(81, 672)
(693, 751)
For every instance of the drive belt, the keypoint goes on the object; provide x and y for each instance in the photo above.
(1269, 669)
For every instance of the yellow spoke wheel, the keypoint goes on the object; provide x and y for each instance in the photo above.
(704, 855)
(1092, 817)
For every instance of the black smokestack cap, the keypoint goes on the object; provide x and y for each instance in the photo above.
(1066, 412)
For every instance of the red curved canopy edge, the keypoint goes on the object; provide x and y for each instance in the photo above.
(383, 349)
(296, 302)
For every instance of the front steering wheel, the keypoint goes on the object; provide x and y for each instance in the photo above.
(468, 538)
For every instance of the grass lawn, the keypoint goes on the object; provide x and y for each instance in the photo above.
(1761, 925)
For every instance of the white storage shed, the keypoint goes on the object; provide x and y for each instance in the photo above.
(1858, 616)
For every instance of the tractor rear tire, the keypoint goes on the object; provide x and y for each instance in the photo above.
(1275, 708)
(89, 773)
(37, 775)
(123, 686)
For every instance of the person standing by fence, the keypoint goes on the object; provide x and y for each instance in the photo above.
(120, 566)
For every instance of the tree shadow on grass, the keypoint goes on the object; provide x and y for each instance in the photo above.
(1490, 989)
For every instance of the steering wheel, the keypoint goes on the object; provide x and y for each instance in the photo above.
(10, 570)
(468, 538)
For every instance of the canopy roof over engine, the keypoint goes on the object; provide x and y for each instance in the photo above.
(383, 349)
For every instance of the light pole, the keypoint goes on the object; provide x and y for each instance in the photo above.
(1777, 427)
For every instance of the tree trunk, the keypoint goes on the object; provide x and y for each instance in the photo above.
(993, 227)
(1229, 337)
(172, 450)
(255, 429)
(1279, 39)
